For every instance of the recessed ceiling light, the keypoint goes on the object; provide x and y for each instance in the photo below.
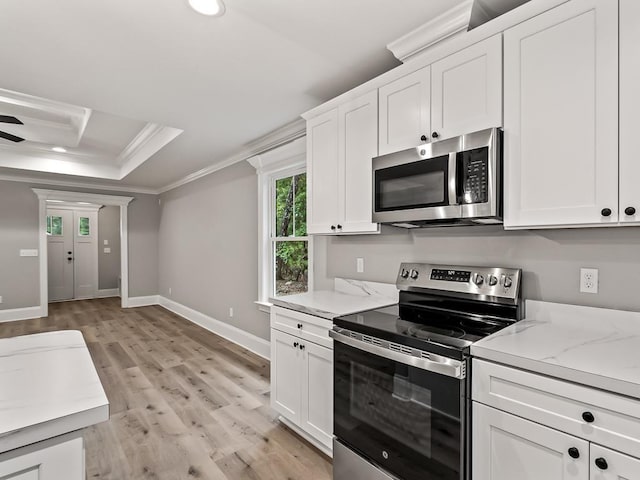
(59, 149)
(208, 7)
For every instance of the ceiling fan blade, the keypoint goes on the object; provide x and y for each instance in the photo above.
(13, 138)
(10, 119)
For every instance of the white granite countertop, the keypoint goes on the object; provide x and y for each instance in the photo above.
(348, 296)
(593, 346)
(48, 387)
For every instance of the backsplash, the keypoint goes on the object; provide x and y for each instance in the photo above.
(551, 259)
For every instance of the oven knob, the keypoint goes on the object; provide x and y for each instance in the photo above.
(493, 280)
(507, 282)
(478, 279)
(414, 274)
(404, 273)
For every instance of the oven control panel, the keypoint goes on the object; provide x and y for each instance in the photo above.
(485, 281)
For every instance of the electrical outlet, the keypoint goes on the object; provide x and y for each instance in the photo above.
(589, 280)
(0, 299)
(360, 265)
(231, 312)
(169, 290)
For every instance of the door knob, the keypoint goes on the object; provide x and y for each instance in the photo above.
(69, 258)
(69, 253)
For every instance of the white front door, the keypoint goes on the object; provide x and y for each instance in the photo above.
(85, 233)
(60, 254)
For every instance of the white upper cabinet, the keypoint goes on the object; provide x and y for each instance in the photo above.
(629, 107)
(357, 145)
(340, 146)
(405, 112)
(561, 117)
(466, 90)
(322, 172)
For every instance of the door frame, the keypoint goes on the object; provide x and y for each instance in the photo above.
(113, 200)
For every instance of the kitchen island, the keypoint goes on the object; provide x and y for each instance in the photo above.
(49, 392)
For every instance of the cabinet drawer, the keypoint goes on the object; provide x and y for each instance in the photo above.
(595, 415)
(308, 327)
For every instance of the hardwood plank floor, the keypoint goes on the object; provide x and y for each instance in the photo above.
(184, 403)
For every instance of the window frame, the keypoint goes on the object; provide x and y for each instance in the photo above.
(281, 162)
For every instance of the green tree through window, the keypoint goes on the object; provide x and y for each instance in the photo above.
(290, 243)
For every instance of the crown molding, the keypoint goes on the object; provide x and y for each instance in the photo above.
(149, 140)
(66, 205)
(450, 23)
(71, 184)
(95, 198)
(292, 154)
(72, 117)
(283, 135)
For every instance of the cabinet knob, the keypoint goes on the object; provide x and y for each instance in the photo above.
(295, 344)
(588, 417)
(339, 227)
(574, 452)
(601, 463)
(69, 258)
(629, 211)
(606, 212)
(299, 325)
(435, 134)
(333, 227)
(301, 347)
(423, 138)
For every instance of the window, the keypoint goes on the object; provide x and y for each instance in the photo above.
(54, 225)
(285, 255)
(289, 242)
(83, 227)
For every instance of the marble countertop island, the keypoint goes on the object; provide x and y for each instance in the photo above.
(48, 387)
(593, 346)
(348, 296)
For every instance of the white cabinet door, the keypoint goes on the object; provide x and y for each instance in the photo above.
(609, 465)
(405, 112)
(629, 107)
(466, 90)
(286, 377)
(506, 447)
(561, 117)
(61, 458)
(358, 144)
(322, 173)
(317, 394)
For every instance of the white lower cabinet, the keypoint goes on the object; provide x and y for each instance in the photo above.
(61, 458)
(528, 426)
(302, 377)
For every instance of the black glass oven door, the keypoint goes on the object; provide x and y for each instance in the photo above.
(405, 419)
(419, 184)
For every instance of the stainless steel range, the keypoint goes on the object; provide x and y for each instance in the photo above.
(402, 401)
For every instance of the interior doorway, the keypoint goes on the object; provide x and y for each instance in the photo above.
(72, 250)
(48, 199)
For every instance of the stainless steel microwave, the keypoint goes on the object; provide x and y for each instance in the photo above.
(456, 181)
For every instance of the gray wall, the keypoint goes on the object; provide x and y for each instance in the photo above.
(108, 263)
(19, 276)
(551, 259)
(209, 247)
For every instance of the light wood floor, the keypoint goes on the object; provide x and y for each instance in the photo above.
(185, 403)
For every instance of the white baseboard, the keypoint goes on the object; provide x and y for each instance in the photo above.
(20, 314)
(255, 344)
(143, 301)
(108, 292)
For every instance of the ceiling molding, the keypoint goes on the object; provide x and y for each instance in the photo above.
(450, 23)
(96, 198)
(283, 135)
(292, 154)
(72, 119)
(80, 206)
(71, 184)
(149, 140)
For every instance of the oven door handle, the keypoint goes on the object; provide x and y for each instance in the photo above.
(443, 366)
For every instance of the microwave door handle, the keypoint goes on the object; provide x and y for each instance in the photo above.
(452, 180)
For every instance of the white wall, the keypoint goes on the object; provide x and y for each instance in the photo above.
(208, 247)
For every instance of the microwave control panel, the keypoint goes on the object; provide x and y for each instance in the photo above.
(474, 165)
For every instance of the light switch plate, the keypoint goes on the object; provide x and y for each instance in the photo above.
(107, 250)
(106, 242)
(359, 265)
(29, 252)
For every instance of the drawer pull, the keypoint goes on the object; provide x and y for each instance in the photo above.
(299, 325)
(295, 344)
(574, 452)
(601, 463)
(588, 417)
